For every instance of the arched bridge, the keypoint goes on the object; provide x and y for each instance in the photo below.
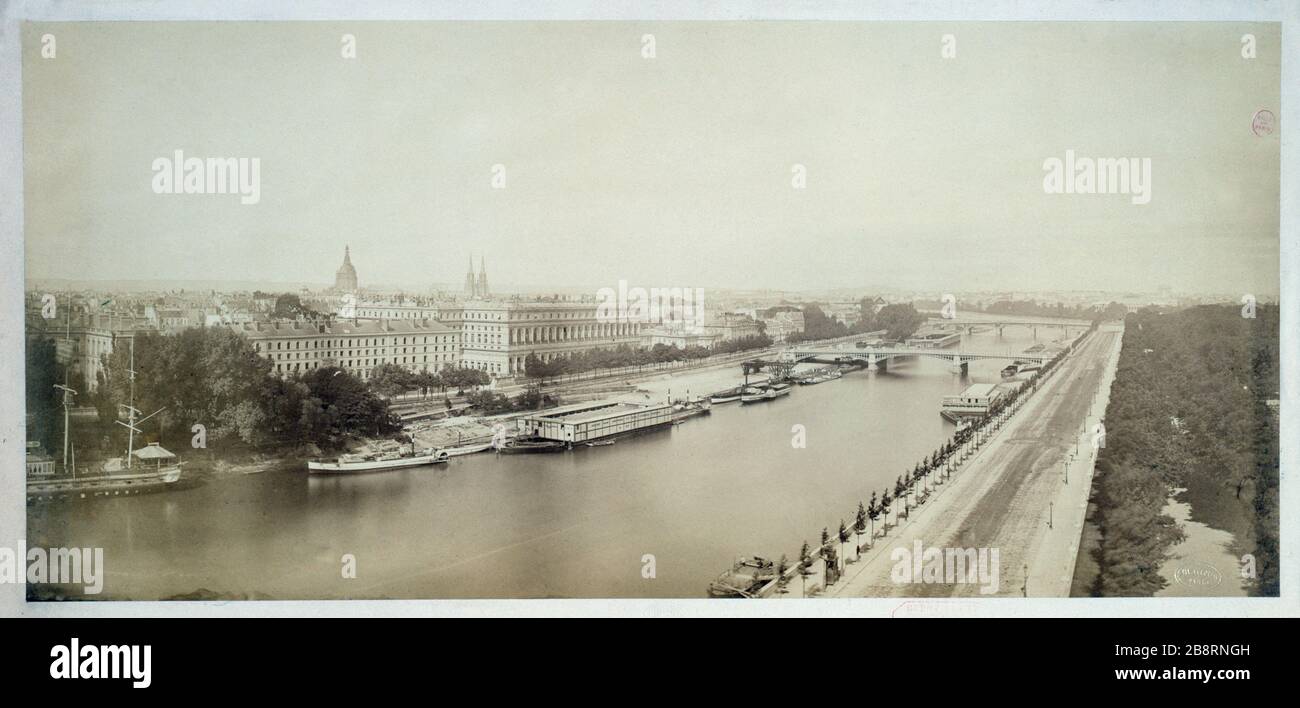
(976, 325)
(878, 357)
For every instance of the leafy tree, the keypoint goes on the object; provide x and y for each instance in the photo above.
(860, 526)
(816, 325)
(805, 569)
(843, 536)
(389, 380)
(44, 401)
(899, 321)
(782, 576)
(831, 560)
(289, 306)
(461, 378)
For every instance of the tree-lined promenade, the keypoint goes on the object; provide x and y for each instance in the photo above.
(895, 503)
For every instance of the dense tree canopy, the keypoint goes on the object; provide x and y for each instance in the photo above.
(899, 321)
(44, 401)
(624, 355)
(289, 306)
(211, 376)
(1188, 410)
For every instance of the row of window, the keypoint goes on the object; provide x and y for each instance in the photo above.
(290, 356)
(367, 342)
(575, 315)
(299, 366)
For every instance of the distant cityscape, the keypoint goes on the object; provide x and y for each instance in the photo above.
(357, 327)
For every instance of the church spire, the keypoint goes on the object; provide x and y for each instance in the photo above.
(345, 279)
(471, 285)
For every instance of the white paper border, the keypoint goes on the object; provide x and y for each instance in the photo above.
(12, 496)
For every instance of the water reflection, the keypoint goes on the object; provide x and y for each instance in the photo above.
(564, 525)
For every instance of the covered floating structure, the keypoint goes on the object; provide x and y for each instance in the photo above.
(584, 422)
(973, 402)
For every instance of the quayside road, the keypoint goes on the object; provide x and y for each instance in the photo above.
(1015, 495)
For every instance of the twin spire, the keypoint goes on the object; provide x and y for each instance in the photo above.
(476, 287)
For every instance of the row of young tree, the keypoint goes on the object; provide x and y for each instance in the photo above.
(389, 380)
(492, 403)
(1188, 409)
(912, 489)
(626, 355)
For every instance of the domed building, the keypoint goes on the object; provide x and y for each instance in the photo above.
(345, 279)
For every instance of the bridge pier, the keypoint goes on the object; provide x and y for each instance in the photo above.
(959, 366)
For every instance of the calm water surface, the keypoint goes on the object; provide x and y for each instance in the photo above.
(566, 525)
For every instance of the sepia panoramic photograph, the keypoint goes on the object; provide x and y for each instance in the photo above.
(784, 310)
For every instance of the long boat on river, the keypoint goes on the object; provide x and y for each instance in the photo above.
(755, 394)
(469, 449)
(353, 464)
(529, 446)
(730, 395)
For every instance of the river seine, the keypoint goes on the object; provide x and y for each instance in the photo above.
(683, 501)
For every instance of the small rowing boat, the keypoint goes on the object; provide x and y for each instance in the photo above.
(468, 449)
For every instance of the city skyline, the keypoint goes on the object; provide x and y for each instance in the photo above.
(674, 170)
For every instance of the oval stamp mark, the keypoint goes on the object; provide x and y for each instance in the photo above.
(1198, 574)
(1263, 122)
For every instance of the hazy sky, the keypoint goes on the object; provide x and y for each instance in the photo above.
(922, 172)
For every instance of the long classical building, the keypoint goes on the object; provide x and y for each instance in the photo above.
(498, 336)
(387, 310)
(355, 345)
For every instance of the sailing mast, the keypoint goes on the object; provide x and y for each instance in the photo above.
(68, 393)
(130, 435)
(131, 411)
